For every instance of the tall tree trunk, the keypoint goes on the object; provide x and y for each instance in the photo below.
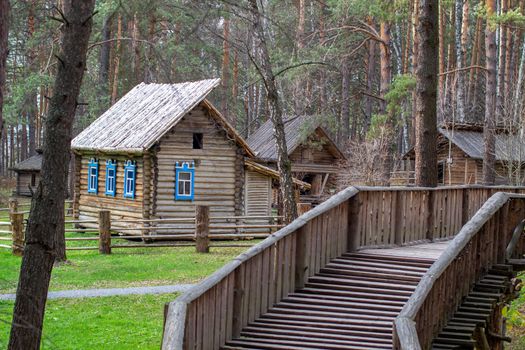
(225, 81)
(276, 115)
(426, 95)
(345, 103)
(105, 49)
(114, 89)
(460, 80)
(4, 49)
(46, 220)
(370, 74)
(386, 79)
(489, 160)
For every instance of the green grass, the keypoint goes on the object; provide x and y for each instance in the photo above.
(124, 267)
(131, 322)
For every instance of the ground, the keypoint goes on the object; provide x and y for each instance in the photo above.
(130, 322)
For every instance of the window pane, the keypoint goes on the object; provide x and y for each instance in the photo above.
(187, 188)
(181, 188)
(184, 176)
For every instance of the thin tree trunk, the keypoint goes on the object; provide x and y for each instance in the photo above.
(4, 49)
(345, 103)
(225, 82)
(386, 78)
(370, 73)
(275, 111)
(489, 174)
(46, 220)
(460, 80)
(114, 89)
(426, 95)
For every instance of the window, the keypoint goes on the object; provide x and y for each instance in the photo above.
(197, 140)
(111, 177)
(93, 176)
(184, 180)
(33, 180)
(129, 179)
(441, 172)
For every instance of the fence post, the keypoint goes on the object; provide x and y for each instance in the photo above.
(104, 229)
(13, 205)
(202, 228)
(17, 229)
(430, 216)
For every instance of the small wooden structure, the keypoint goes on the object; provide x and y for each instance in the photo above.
(157, 153)
(460, 157)
(313, 154)
(28, 175)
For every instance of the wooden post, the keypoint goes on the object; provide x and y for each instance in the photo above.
(430, 215)
(301, 255)
(17, 229)
(465, 209)
(354, 239)
(104, 229)
(202, 228)
(13, 205)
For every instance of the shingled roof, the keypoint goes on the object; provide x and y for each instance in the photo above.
(142, 116)
(508, 146)
(296, 130)
(33, 163)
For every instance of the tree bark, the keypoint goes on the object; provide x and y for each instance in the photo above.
(489, 175)
(4, 49)
(426, 95)
(460, 78)
(276, 115)
(225, 81)
(384, 86)
(46, 220)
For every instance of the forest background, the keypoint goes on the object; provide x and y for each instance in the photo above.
(351, 63)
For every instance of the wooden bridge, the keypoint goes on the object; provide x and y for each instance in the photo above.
(371, 268)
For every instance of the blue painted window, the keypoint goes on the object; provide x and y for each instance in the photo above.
(184, 180)
(111, 177)
(93, 176)
(130, 170)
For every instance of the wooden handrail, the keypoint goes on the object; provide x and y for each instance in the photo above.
(407, 332)
(174, 330)
(217, 308)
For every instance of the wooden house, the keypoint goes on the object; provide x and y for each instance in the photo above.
(314, 156)
(158, 152)
(460, 157)
(28, 175)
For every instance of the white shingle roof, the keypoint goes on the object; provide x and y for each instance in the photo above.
(142, 116)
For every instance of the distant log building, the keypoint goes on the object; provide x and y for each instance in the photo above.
(28, 175)
(460, 157)
(161, 150)
(315, 157)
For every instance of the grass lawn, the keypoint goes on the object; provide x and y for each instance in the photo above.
(124, 267)
(131, 322)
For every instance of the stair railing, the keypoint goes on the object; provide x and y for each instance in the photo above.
(481, 243)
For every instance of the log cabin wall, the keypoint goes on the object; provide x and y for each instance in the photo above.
(89, 204)
(27, 182)
(462, 170)
(215, 170)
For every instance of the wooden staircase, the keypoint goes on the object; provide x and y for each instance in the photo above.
(350, 304)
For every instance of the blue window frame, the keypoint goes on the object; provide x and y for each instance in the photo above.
(184, 181)
(130, 170)
(111, 177)
(93, 176)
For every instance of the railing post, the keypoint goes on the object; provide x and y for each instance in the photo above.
(104, 229)
(17, 230)
(466, 206)
(354, 239)
(430, 215)
(202, 228)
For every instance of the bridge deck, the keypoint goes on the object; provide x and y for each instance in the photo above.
(350, 304)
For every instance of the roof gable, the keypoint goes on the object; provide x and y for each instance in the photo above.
(143, 116)
(33, 163)
(295, 129)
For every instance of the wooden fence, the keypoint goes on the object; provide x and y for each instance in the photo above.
(104, 232)
(482, 243)
(217, 308)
